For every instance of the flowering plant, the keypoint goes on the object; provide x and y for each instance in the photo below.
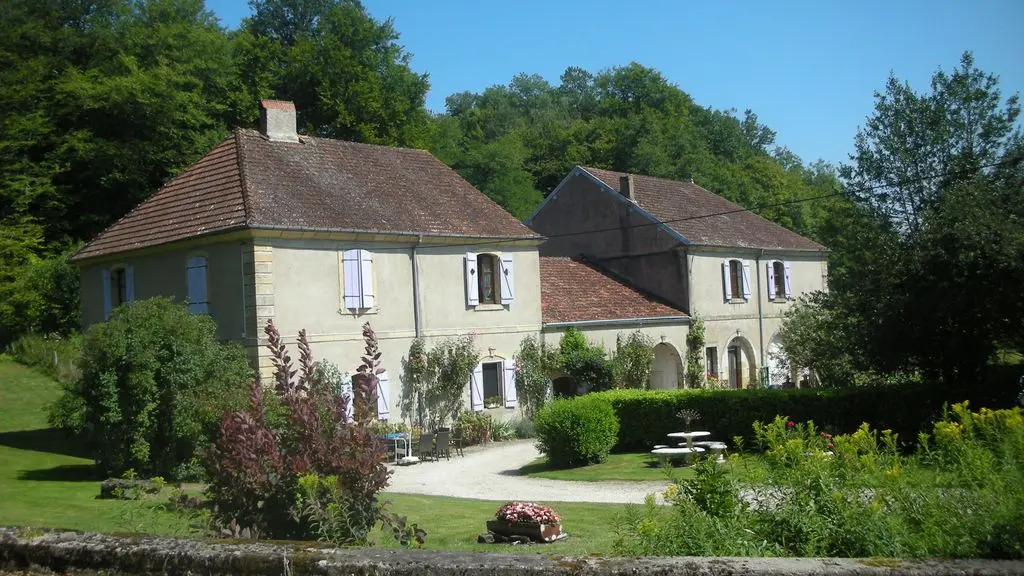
(527, 512)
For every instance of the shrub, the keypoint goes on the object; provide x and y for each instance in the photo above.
(646, 416)
(38, 296)
(533, 364)
(54, 355)
(523, 428)
(634, 355)
(585, 363)
(312, 469)
(960, 495)
(695, 353)
(154, 384)
(449, 366)
(576, 431)
(473, 427)
(502, 431)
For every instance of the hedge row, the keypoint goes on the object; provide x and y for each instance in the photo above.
(646, 416)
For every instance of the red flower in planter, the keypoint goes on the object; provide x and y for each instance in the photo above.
(527, 512)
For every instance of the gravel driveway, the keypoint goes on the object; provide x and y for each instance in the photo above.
(492, 473)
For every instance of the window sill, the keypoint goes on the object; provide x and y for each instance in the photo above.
(492, 407)
(357, 312)
(779, 301)
(737, 301)
(486, 307)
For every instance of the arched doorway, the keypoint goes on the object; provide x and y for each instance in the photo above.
(666, 367)
(740, 366)
(779, 373)
(563, 387)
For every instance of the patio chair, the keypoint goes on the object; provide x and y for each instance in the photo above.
(443, 445)
(457, 443)
(426, 447)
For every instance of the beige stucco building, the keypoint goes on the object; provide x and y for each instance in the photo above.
(695, 251)
(324, 235)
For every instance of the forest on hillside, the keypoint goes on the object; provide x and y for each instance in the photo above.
(102, 101)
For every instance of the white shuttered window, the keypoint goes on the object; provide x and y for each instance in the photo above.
(357, 271)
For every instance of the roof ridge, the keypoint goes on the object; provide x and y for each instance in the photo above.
(257, 133)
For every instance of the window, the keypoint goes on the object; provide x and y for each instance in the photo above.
(489, 279)
(118, 288)
(198, 301)
(735, 367)
(711, 361)
(736, 278)
(486, 264)
(492, 384)
(357, 270)
(779, 270)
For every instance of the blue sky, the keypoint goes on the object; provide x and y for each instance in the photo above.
(807, 68)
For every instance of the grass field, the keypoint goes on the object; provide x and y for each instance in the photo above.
(45, 482)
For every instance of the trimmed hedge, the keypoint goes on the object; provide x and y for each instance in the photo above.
(646, 416)
(576, 431)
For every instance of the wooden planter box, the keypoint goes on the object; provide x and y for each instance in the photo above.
(535, 532)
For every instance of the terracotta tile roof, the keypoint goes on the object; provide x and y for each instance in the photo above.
(574, 291)
(316, 184)
(207, 197)
(681, 205)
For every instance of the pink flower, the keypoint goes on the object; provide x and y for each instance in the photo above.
(790, 424)
(527, 512)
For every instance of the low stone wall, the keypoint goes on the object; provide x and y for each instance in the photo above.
(69, 551)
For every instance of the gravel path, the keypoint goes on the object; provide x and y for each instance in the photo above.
(492, 473)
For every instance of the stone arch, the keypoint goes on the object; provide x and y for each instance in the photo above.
(779, 372)
(666, 367)
(740, 363)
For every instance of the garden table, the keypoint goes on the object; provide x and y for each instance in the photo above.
(664, 454)
(689, 436)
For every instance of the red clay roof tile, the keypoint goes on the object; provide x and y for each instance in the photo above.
(575, 291)
(697, 214)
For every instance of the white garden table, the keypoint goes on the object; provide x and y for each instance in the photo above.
(689, 436)
(664, 454)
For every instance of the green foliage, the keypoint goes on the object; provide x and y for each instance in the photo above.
(37, 295)
(154, 384)
(695, 353)
(339, 519)
(449, 365)
(821, 495)
(585, 363)
(575, 432)
(516, 142)
(416, 380)
(502, 431)
(523, 428)
(55, 356)
(932, 225)
(631, 364)
(646, 416)
(812, 336)
(473, 427)
(534, 363)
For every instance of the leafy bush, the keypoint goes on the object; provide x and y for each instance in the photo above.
(449, 366)
(38, 296)
(534, 362)
(695, 353)
(54, 355)
(473, 427)
(576, 431)
(502, 431)
(154, 383)
(523, 428)
(646, 416)
(960, 495)
(585, 363)
(310, 469)
(634, 355)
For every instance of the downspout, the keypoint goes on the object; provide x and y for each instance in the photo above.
(417, 321)
(760, 313)
(241, 261)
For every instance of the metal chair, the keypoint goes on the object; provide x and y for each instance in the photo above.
(443, 445)
(426, 447)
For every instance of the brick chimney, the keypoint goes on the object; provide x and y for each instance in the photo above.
(277, 121)
(627, 187)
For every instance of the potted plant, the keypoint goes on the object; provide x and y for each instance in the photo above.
(492, 402)
(535, 521)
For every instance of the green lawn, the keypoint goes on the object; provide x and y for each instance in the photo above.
(45, 482)
(629, 468)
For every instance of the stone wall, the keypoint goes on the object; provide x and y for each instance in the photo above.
(69, 551)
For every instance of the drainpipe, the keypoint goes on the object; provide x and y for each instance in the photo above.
(417, 321)
(760, 313)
